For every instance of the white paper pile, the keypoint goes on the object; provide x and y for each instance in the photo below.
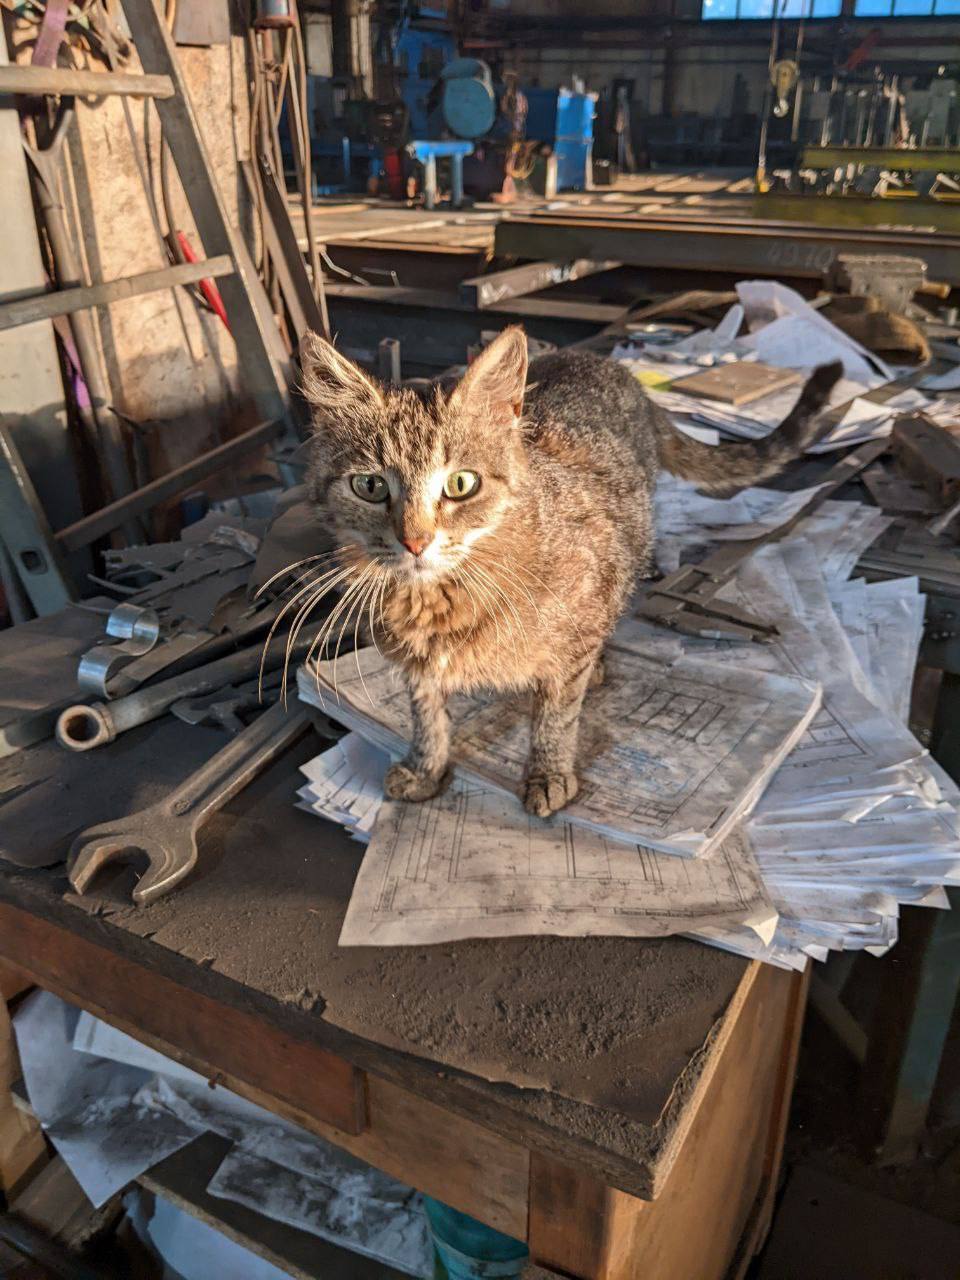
(113, 1107)
(782, 330)
(672, 755)
(471, 863)
(345, 784)
(857, 820)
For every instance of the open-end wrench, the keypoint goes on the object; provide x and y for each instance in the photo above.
(167, 831)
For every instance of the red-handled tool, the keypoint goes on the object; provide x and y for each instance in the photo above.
(207, 287)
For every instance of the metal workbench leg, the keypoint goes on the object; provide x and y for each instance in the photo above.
(909, 1032)
(919, 995)
(457, 180)
(430, 182)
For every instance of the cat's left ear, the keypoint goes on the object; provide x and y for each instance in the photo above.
(335, 387)
(493, 386)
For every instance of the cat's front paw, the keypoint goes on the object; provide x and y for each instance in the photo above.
(545, 793)
(403, 783)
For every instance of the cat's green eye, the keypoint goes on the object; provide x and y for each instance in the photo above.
(370, 487)
(461, 484)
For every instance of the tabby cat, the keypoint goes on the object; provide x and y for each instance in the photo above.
(492, 534)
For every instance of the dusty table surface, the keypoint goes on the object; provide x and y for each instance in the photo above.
(587, 1040)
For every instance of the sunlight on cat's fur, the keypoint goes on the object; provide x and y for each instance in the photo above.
(490, 537)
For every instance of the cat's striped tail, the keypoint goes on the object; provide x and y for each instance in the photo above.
(727, 467)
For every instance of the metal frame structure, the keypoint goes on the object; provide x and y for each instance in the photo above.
(36, 552)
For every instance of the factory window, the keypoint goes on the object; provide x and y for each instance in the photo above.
(905, 8)
(760, 9)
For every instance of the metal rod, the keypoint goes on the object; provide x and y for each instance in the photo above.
(388, 361)
(85, 726)
(45, 166)
(82, 532)
(486, 291)
(69, 82)
(65, 302)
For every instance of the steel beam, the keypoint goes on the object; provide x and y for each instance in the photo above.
(923, 160)
(68, 82)
(769, 249)
(82, 532)
(64, 302)
(498, 286)
(900, 208)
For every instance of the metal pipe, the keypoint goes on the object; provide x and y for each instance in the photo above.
(84, 726)
(45, 165)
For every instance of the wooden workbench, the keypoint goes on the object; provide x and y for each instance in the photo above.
(670, 1176)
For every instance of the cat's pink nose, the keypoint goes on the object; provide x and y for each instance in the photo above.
(416, 546)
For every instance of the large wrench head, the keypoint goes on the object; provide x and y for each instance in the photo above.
(168, 862)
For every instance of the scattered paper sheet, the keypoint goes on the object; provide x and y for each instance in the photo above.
(472, 864)
(684, 517)
(101, 1117)
(114, 1107)
(690, 524)
(671, 756)
(787, 331)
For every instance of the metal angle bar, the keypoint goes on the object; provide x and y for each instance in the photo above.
(295, 288)
(69, 82)
(65, 302)
(389, 361)
(27, 536)
(771, 250)
(922, 160)
(485, 291)
(241, 291)
(82, 532)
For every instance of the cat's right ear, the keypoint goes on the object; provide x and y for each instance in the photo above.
(494, 383)
(335, 387)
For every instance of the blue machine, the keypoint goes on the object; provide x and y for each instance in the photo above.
(564, 120)
(468, 101)
(421, 55)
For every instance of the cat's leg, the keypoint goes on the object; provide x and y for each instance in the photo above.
(424, 772)
(598, 673)
(551, 780)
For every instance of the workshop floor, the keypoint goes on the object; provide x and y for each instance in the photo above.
(838, 1214)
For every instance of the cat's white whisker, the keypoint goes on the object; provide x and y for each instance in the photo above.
(321, 555)
(355, 596)
(305, 612)
(313, 585)
(496, 586)
(491, 612)
(327, 629)
(367, 596)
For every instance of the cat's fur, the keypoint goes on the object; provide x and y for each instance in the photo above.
(519, 586)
